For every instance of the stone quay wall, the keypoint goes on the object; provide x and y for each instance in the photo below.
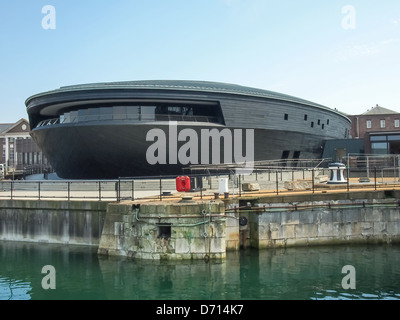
(165, 230)
(366, 217)
(60, 222)
(188, 229)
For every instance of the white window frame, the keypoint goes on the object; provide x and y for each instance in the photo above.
(369, 124)
(383, 124)
(396, 123)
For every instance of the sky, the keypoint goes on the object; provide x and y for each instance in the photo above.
(341, 54)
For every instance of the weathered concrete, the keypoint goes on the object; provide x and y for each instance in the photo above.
(364, 217)
(66, 222)
(206, 229)
(165, 230)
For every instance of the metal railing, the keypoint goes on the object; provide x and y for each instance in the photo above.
(138, 117)
(264, 179)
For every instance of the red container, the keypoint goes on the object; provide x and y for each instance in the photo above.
(183, 184)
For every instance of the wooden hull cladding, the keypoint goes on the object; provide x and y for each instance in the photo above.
(158, 128)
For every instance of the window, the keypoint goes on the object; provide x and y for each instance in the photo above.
(285, 154)
(323, 126)
(379, 147)
(327, 122)
(312, 124)
(305, 117)
(378, 138)
(286, 116)
(396, 123)
(319, 122)
(383, 123)
(368, 124)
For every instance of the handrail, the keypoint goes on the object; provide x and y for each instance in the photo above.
(156, 117)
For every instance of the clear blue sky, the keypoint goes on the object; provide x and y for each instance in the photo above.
(296, 47)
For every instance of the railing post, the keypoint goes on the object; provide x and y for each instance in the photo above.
(240, 186)
(11, 190)
(119, 190)
(277, 183)
(39, 190)
(69, 190)
(375, 177)
(133, 190)
(160, 189)
(312, 177)
(201, 187)
(99, 190)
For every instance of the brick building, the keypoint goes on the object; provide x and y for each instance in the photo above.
(379, 128)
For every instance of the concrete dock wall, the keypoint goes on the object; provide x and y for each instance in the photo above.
(164, 230)
(374, 223)
(65, 222)
(350, 218)
(189, 229)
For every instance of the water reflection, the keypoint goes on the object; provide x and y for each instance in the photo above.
(284, 274)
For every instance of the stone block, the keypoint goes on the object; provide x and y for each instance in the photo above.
(270, 217)
(173, 209)
(307, 217)
(367, 228)
(263, 244)
(250, 186)
(231, 220)
(298, 185)
(394, 215)
(232, 245)
(290, 217)
(199, 245)
(325, 230)
(337, 216)
(325, 216)
(380, 228)
(218, 245)
(182, 245)
(161, 209)
(393, 228)
(351, 216)
(309, 230)
(288, 231)
(276, 232)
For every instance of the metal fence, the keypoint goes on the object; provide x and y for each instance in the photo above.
(361, 171)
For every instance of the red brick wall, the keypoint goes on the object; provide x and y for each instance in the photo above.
(375, 124)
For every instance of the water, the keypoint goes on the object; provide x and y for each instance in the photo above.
(281, 274)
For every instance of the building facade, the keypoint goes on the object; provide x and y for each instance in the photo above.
(159, 127)
(19, 152)
(379, 128)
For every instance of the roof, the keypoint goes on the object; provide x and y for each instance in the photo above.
(182, 85)
(379, 110)
(5, 126)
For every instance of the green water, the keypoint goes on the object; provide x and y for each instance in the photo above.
(282, 274)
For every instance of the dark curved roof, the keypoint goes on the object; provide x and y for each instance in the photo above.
(184, 85)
